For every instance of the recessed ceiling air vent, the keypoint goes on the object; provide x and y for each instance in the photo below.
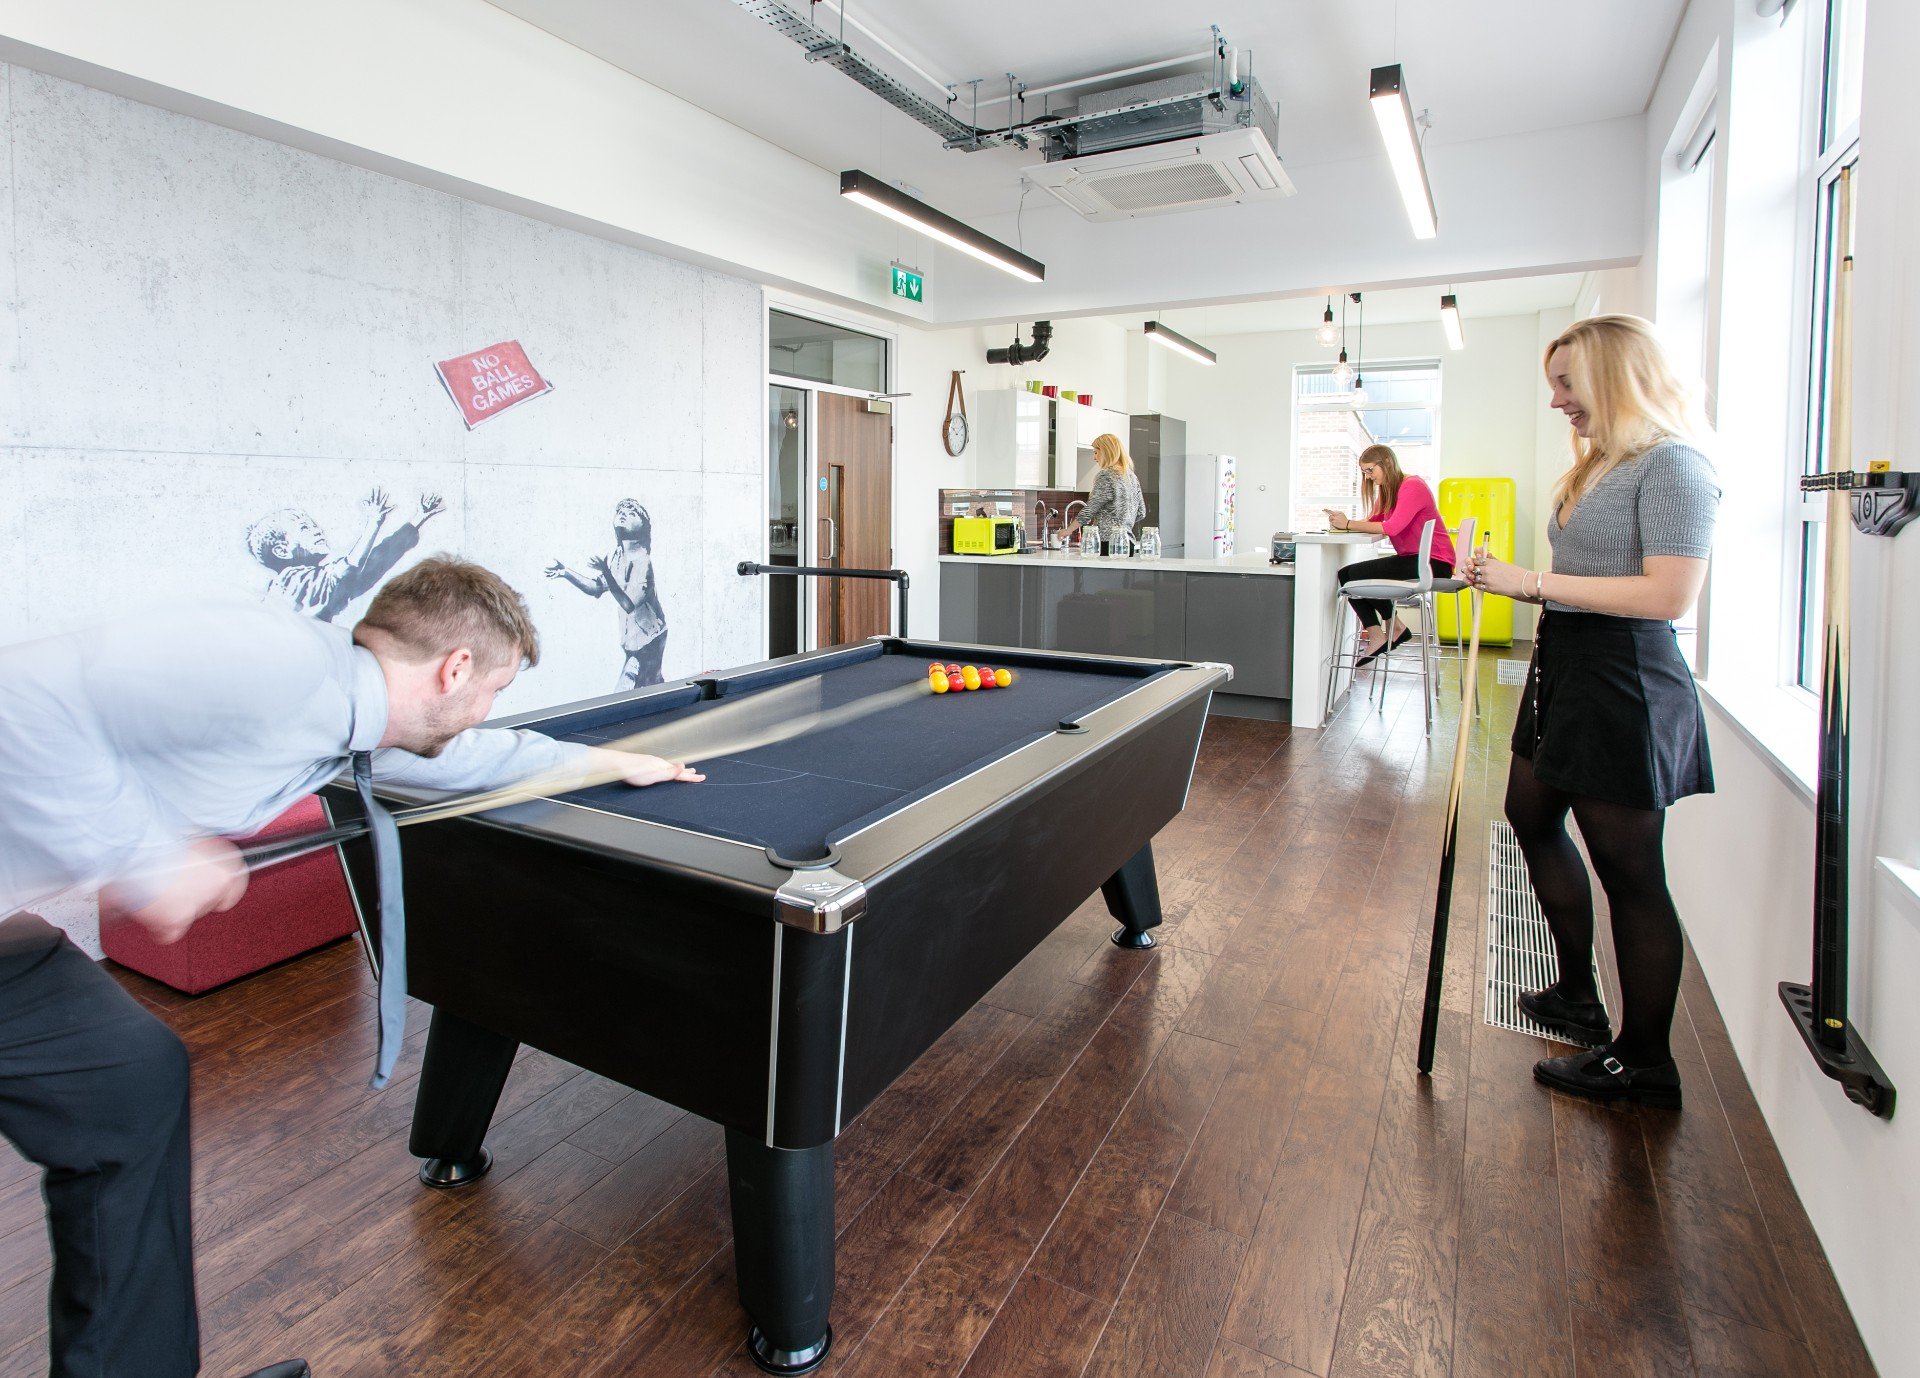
(1215, 170)
(1173, 145)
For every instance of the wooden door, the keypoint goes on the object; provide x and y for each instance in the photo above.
(853, 527)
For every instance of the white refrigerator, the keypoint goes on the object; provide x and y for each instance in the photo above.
(1211, 492)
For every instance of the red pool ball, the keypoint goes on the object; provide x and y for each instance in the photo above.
(986, 677)
(954, 681)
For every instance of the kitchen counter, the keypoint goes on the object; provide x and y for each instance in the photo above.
(1273, 623)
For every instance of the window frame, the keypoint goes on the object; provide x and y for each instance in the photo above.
(1365, 369)
(1835, 149)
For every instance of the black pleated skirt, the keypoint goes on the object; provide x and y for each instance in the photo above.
(1610, 712)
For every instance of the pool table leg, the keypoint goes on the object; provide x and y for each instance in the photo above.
(783, 1249)
(1133, 897)
(461, 1079)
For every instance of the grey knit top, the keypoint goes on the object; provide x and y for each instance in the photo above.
(1662, 503)
(1115, 503)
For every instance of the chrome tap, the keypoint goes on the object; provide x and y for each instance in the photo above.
(1066, 520)
(1046, 515)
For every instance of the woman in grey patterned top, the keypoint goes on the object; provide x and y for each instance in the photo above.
(1609, 727)
(1116, 502)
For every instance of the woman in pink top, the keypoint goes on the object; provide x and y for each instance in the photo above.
(1398, 506)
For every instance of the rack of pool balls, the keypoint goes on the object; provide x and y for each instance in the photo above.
(956, 678)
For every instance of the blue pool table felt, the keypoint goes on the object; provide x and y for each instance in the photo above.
(797, 796)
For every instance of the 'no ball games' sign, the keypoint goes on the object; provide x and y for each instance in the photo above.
(486, 383)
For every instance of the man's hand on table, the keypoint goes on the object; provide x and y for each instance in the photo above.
(636, 769)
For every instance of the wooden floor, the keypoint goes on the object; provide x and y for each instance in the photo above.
(1214, 1159)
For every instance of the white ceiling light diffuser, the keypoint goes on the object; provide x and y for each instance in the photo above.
(895, 204)
(1387, 92)
(1450, 322)
(1180, 344)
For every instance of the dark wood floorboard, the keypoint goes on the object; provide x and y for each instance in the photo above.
(1212, 1159)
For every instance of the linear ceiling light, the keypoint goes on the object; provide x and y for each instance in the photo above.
(1450, 322)
(895, 204)
(1394, 112)
(1180, 344)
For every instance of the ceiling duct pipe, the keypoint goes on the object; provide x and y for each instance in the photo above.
(1017, 353)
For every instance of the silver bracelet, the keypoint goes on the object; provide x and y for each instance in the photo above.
(1539, 586)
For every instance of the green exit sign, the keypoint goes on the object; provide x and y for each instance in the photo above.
(908, 284)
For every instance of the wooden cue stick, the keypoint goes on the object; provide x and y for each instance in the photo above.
(1830, 881)
(669, 739)
(1443, 897)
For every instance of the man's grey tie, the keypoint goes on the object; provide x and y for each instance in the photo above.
(393, 920)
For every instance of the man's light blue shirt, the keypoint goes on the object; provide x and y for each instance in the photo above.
(120, 743)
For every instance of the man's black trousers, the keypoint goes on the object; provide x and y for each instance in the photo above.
(93, 1088)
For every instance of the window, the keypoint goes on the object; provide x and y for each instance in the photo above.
(1401, 408)
(1839, 150)
(822, 353)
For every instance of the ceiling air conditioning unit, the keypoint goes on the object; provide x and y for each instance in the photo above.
(1172, 145)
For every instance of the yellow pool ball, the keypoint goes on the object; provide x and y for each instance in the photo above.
(1003, 678)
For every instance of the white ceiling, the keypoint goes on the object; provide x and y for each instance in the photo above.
(1500, 79)
(1484, 68)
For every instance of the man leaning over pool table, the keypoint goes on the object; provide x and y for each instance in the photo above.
(125, 753)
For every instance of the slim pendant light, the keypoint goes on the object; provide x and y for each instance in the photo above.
(1387, 92)
(895, 204)
(1450, 322)
(1180, 344)
(1456, 338)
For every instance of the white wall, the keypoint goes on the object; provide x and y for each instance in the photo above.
(1742, 859)
(203, 326)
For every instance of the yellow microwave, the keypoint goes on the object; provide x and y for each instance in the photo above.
(986, 536)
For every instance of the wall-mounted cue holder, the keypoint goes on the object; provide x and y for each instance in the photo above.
(1880, 502)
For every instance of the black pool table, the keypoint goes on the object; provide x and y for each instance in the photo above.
(769, 949)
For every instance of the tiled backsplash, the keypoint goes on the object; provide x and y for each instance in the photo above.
(1022, 503)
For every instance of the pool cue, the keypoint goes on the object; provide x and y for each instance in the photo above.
(1830, 879)
(694, 738)
(1443, 897)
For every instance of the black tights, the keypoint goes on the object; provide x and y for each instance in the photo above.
(1625, 845)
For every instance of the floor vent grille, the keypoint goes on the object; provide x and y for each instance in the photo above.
(1519, 946)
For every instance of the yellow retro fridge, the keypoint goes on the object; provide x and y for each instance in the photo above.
(1490, 502)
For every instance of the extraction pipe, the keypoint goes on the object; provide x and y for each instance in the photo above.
(1017, 353)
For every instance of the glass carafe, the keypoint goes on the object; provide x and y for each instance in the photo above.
(1122, 544)
(1090, 542)
(1149, 542)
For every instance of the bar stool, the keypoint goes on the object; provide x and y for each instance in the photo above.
(1411, 594)
(1454, 587)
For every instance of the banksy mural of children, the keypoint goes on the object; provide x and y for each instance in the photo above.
(626, 573)
(306, 572)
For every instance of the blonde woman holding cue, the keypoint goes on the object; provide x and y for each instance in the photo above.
(1609, 727)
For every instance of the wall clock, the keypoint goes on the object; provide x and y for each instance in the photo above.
(955, 430)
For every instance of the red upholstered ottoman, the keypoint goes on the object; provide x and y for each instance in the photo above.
(288, 909)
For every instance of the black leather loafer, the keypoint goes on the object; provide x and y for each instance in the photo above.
(292, 1368)
(1579, 1021)
(1599, 1075)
